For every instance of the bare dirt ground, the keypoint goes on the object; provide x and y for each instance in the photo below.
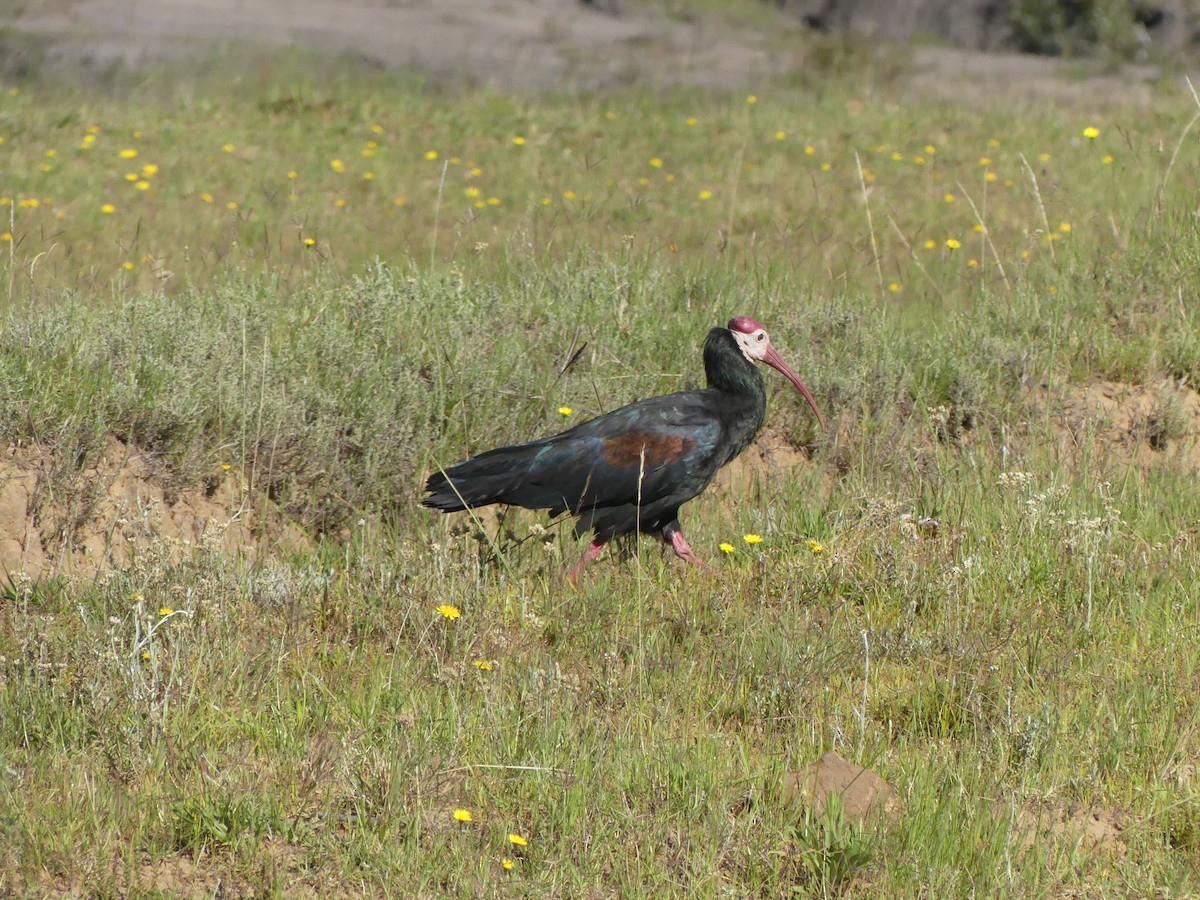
(525, 45)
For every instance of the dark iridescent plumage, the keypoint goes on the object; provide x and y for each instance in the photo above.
(634, 467)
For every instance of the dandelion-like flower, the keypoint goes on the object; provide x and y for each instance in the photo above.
(128, 153)
(293, 174)
(308, 242)
(462, 815)
(165, 611)
(431, 155)
(449, 612)
(518, 140)
(507, 864)
(952, 244)
(149, 170)
(483, 665)
(930, 244)
(1107, 159)
(893, 287)
(1091, 132)
(752, 539)
(517, 841)
(751, 100)
(108, 209)
(816, 547)
(656, 162)
(206, 197)
(781, 135)
(949, 198)
(225, 467)
(1065, 227)
(565, 410)
(337, 165)
(227, 148)
(706, 194)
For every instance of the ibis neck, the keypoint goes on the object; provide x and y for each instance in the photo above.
(730, 372)
(727, 368)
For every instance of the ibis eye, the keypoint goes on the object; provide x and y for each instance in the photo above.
(760, 337)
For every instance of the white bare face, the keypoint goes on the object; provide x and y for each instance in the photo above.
(754, 344)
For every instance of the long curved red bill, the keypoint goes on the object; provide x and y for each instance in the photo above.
(775, 361)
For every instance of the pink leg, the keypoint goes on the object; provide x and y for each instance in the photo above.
(684, 550)
(590, 555)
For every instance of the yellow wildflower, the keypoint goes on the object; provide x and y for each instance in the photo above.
(656, 162)
(518, 140)
(725, 547)
(816, 547)
(517, 841)
(462, 815)
(431, 155)
(227, 148)
(108, 209)
(449, 612)
(165, 611)
(507, 863)
(952, 244)
(706, 194)
(337, 165)
(752, 539)
(1091, 132)
(128, 153)
(483, 665)
(565, 410)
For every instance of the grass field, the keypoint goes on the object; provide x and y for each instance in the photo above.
(323, 282)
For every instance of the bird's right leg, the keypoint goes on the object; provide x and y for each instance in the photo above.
(590, 555)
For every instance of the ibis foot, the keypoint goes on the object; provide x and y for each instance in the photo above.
(590, 555)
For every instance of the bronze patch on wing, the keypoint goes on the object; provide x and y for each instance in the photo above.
(658, 449)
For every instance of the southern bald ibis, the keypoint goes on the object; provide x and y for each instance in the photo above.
(635, 466)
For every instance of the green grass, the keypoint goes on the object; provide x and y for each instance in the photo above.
(306, 719)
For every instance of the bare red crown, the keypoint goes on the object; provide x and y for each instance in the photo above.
(744, 324)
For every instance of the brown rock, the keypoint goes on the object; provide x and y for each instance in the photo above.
(862, 793)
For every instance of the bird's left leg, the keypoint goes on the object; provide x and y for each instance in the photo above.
(674, 536)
